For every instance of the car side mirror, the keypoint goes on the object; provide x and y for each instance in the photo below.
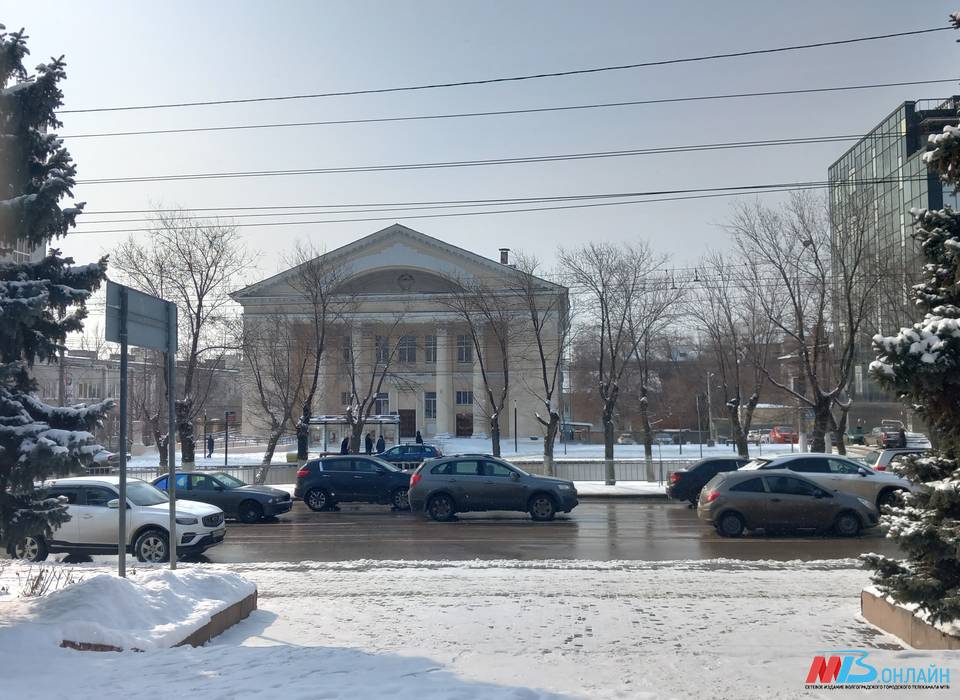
(113, 503)
(863, 472)
(514, 476)
(821, 494)
(218, 487)
(381, 470)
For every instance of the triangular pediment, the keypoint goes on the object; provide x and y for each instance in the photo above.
(398, 259)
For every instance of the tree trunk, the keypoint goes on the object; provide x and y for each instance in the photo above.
(356, 437)
(645, 424)
(610, 471)
(822, 420)
(548, 442)
(185, 432)
(495, 433)
(840, 430)
(738, 434)
(268, 455)
(158, 438)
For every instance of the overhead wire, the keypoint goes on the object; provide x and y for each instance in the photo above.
(514, 78)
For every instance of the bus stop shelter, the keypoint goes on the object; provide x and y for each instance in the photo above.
(327, 430)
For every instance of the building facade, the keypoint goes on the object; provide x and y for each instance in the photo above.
(884, 172)
(402, 327)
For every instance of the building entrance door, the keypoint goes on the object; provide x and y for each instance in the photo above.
(464, 424)
(408, 422)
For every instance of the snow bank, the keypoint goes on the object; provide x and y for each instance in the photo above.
(622, 488)
(152, 609)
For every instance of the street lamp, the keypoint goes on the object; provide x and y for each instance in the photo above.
(710, 376)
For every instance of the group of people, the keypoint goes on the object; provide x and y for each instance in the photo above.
(368, 443)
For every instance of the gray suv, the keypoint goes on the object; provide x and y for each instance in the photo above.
(450, 485)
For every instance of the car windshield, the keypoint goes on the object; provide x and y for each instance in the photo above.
(386, 465)
(140, 493)
(755, 464)
(228, 481)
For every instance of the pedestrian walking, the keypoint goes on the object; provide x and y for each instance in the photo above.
(903, 437)
(209, 446)
(345, 446)
(419, 438)
(368, 443)
(381, 444)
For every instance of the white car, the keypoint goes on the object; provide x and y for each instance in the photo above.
(92, 528)
(835, 472)
(882, 460)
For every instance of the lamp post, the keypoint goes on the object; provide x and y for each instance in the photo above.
(516, 444)
(710, 376)
(226, 435)
(699, 427)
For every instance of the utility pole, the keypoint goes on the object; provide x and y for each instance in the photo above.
(699, 427)
(709, 408)
(516, 447)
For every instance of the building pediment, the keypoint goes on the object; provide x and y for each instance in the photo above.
(396, 260)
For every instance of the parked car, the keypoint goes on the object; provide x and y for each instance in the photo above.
(626, 439)
(444, 487)
(841, 473)
(887, 435)
(323, 483)
(662, 439)
(779, 499)
(248, 504)
(685, 484)
(92, 528)
(783, 435)
(413, 454)
(881, 460)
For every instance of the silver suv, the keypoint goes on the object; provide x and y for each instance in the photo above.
(450, 485)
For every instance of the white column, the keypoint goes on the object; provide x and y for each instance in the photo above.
(444, 385)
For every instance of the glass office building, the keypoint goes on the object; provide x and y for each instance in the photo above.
(885, 173)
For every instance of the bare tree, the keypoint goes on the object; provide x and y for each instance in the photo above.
(276, 352)
(193, 263)
(367, 379)
(612, 278)
(548, 314)
(737, 334)
(319, 280)
(814, 290)
(488, 314)
(648, 319)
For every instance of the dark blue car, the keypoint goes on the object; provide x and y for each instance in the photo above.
(410, 455)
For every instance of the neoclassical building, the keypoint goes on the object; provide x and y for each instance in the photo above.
(402, 285)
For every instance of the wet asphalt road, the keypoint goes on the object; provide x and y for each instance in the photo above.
(597, 530)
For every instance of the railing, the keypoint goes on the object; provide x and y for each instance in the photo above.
(595, 469)
(278, 474)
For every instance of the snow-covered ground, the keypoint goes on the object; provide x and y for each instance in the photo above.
(502, 629)
(528, 448)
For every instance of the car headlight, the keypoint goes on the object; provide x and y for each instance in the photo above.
(867, 504)
(186, 520)
(565, 487)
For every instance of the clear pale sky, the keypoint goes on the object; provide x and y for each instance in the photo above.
(121, 53)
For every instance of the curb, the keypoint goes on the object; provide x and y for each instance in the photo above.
(624, 496)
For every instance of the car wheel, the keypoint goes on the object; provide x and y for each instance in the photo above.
(441, 508)
(250, 512)
(399, 499)
(30, 548)
(847, 525)
(887, 497)
(152, 547)
(317, 499)
(731, 525)
(542, 508)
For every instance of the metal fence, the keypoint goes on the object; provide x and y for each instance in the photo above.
(278, 474)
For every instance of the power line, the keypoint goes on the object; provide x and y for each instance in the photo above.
(591, 155)
(505, 112)
(516, 78)
(698, 193)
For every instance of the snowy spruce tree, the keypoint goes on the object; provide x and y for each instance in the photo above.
(922, 365)
(40, 302)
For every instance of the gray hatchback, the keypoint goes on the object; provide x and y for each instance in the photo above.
(450, 485)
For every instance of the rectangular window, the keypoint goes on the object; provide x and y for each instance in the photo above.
(464, 348)
(430, 404)
(345, 349)
(464, 398)
(381, 404)
(382, 348)
(345, 398)
(407, 349)
(430, 348)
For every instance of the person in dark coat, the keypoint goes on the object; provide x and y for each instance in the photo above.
(381, 444)
(902, 434)
(345, 446)
(419, 438)
(209, 445)
(368, 443)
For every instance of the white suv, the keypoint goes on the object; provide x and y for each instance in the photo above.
(93, 524)
(843, 474)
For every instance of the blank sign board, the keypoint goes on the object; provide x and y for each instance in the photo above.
(148, 321)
